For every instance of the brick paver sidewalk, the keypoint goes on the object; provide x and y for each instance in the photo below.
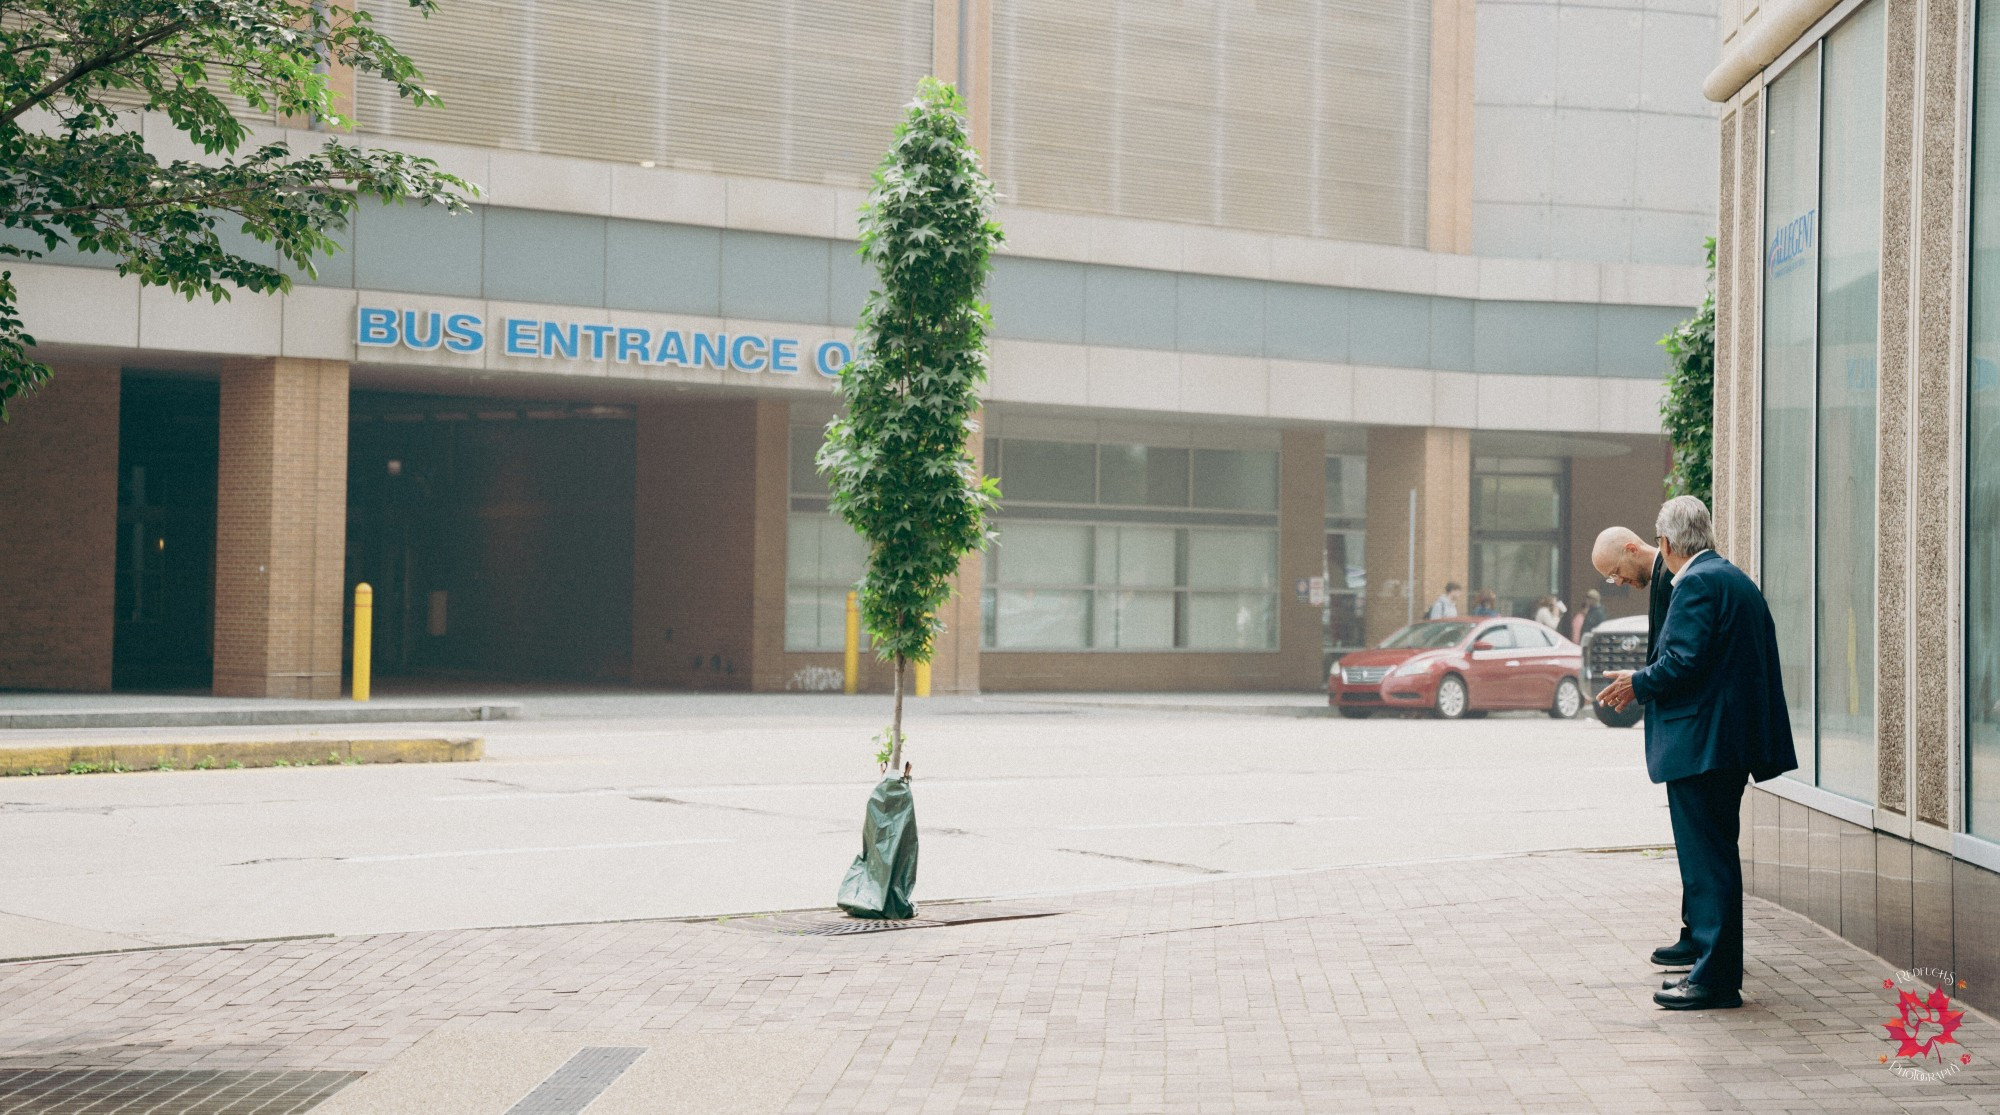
(1501, 984)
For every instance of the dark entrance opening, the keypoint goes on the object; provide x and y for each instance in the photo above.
(496, 534)
(168, 436)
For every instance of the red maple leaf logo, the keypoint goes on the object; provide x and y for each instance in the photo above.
(1924, 1024)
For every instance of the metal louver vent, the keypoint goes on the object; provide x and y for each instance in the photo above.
(806, 90)
(1310, 117)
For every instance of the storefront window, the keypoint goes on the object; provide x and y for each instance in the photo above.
(823, 556)
(1791, 305)
(1159, 558)
(1518, 533)
(1346, 554)
(1850, 237)
(1982, 435)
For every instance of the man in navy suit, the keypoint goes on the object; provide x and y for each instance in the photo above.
(1718, 716)
(1625, 560)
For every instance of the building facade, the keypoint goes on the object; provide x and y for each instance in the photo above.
(1858, 459)
(1304, 311)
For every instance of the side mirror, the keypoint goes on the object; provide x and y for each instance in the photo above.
(1482, 645)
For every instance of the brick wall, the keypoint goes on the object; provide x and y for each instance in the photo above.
(58, 527)
(281, 523)
(1613, 491)
(1437, 462)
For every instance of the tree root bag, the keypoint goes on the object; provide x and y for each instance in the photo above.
(883, 876)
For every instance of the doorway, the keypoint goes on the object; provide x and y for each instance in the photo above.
(168, 439)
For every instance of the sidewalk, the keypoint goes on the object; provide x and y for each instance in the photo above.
(1487, 984)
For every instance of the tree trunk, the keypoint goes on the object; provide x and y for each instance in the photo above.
(896, 729)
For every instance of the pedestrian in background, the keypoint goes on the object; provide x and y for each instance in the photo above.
(1484, 603)
(1446, 605)
(1591, 614)
(1549, 612)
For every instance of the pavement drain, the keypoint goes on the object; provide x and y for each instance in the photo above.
(165, 1091)
(581, 1079)
(837, 923)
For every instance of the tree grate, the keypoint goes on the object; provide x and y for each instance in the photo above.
(166, 1091)
(836, 923)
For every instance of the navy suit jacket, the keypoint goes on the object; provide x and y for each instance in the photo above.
(1716, 701)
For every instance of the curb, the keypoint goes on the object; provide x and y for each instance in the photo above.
(121, 757)
(255, 716)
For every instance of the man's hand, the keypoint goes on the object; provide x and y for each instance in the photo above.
(1619, 693)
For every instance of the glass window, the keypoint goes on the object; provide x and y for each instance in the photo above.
(1142, 475)
(1049, 471)
(1517, 503)
(1236, 479)
(805, 477)
(1791, 270)
(1850, 236)
(1497, 637)
(1346, 487)
(823, 560)
(1530, 637)
(1518, 571)
(1982, 435)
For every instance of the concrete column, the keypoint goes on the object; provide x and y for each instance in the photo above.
(962, 53)
(1437, 462)
(58, 528)
(1613, 491)
(708, 579)
(1301, 554)
(1450, 195)
(955, 662)
(281, 526)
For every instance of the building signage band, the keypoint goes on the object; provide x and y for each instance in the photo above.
(545, 339)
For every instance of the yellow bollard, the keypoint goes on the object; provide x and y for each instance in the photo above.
(923, 679)
(852, 664)
(364, 636)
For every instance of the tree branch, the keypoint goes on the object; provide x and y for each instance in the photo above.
(92, 65)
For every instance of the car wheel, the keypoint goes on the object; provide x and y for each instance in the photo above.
(1451, 698)
(1611, 718)
(1569, 700)
(1355, 713)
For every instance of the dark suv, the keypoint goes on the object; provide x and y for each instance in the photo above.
(1615, 644)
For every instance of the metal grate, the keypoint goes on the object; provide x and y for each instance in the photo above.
(836, 923)
(581, 1079)
(165, 1091)
(1364, 675)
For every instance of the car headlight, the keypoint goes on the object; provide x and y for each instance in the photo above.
(1413, 666)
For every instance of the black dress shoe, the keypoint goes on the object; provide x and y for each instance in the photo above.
(1687, 995)
(1681, 954)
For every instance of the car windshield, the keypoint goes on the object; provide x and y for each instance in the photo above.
(1427, 636)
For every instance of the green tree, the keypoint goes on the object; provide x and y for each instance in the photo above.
(74, 168)
(896, 461)
(1688, 410)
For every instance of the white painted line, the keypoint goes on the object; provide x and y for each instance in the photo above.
(530, 851)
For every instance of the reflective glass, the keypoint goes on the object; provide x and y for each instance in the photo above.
(1236, 479)
(1791, 272)
(1143, 475)
(1982, 435)
(1850, 235)
(1049, 471)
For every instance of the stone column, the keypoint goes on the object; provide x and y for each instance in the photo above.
(1437, 462)
(59, 491)
(281, 525)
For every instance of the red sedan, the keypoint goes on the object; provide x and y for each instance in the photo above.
(1457, 667)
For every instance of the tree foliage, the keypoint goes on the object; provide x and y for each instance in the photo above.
(897, 462)
(1688, 410)
(75, 168)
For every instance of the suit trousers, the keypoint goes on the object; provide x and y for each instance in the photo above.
(1706, 811)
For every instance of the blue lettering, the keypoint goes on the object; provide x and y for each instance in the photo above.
(831, 357)
(673, 349)
(632, 342)
(463, 334)
(785, 355)
(522, 338)
(597, 333)
(711, 350)
(755, 361)
(426, 342)
(375, 326)
(559, 340)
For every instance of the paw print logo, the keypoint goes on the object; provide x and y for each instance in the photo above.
(1923, 1024)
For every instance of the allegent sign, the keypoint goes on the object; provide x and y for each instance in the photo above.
(544, 339)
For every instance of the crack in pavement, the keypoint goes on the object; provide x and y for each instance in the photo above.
(1194, 867)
